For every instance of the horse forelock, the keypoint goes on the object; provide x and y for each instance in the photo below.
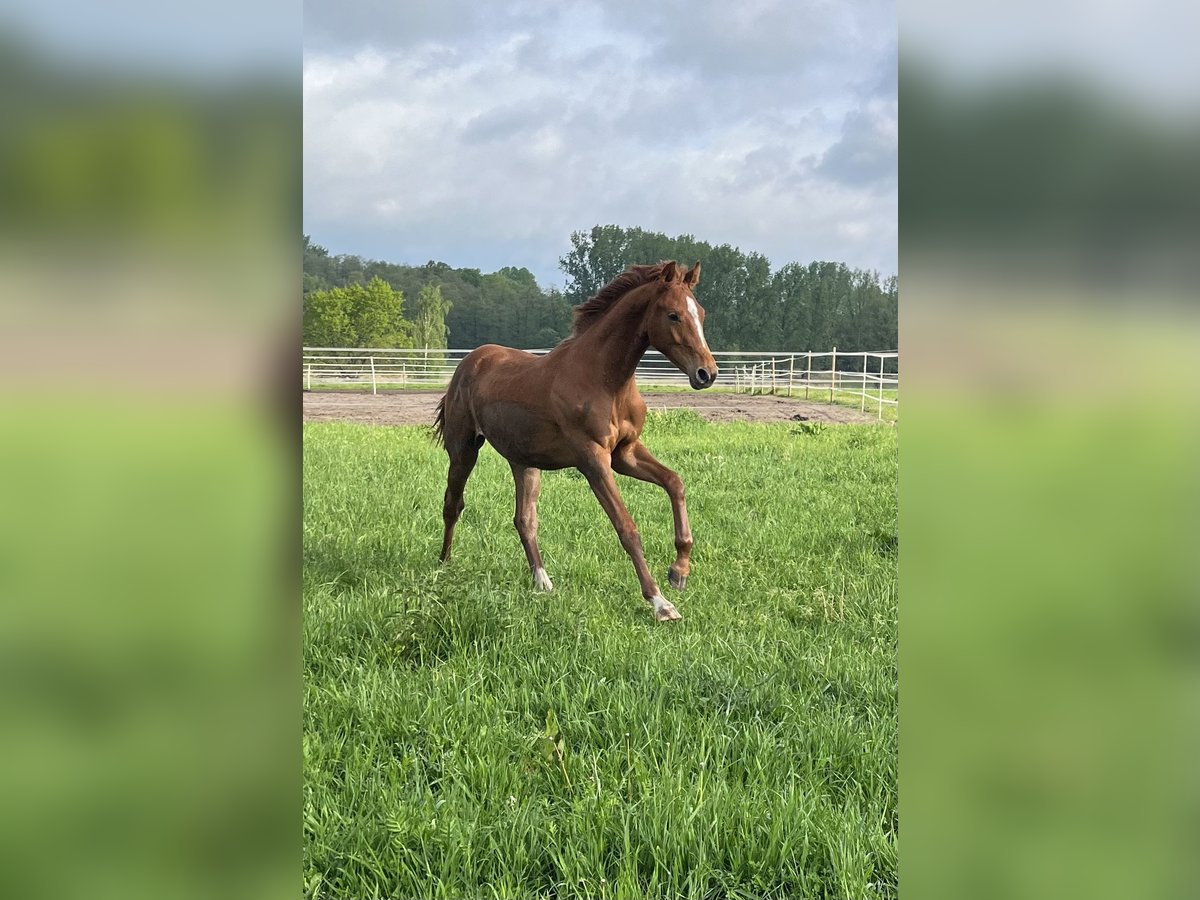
(588, 312)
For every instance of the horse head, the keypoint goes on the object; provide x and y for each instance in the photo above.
(675, 326)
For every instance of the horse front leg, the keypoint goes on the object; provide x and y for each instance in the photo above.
(636, 461)
(598, 471)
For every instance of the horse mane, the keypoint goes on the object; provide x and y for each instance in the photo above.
(588, 312)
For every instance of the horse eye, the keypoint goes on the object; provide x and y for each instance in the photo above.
(674, 317)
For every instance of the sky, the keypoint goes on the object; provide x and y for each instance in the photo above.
(482, 135)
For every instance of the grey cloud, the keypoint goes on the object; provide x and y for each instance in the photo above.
(399, 24)
(503, 122)
(330, 24)
(501, 137)
(796, 40)
(865, 154)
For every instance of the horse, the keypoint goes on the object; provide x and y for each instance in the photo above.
(579, 406)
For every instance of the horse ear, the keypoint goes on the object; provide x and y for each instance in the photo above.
(670, 271)
(692, 276)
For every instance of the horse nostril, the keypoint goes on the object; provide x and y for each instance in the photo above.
(702, 376)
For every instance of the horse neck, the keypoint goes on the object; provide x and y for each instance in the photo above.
(619, 340)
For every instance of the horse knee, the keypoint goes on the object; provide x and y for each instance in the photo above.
(630, 539)
(674, 486)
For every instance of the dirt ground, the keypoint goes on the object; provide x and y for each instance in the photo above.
(413, 408)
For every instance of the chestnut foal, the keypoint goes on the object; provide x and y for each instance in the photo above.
(579, 406)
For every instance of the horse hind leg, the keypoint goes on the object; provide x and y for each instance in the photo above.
(529, 485)
(462, 446)
(456, 482)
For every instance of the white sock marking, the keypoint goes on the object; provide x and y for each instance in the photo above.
(659, 602)
(541, 581)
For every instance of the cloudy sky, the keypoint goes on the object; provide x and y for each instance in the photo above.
(483, 134)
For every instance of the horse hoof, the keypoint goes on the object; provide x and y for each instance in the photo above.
(664, 611)
(541, 581)
(679, 582)
(668, 614)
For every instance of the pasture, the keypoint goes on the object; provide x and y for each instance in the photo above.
(466, 737)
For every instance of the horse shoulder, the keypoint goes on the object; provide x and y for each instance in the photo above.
(630, 408)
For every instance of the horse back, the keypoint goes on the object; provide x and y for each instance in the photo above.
(489, 375)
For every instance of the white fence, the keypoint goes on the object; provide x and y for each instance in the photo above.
(827, 376)
(815, 376)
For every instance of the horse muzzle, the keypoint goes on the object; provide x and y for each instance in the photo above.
(703, 377)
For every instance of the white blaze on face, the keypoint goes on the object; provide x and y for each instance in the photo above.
(695, 314)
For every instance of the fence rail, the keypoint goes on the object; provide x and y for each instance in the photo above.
(863, 374)
(873, 377)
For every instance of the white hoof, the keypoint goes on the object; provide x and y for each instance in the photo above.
(664, 611)
(541, 581)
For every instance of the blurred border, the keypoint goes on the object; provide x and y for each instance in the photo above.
(149, 599)
(1050, 215)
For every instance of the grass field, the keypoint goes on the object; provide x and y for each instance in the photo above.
(749, 751)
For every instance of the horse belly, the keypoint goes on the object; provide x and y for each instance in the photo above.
(523, 436)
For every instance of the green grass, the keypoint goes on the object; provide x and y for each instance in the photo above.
(749, 751)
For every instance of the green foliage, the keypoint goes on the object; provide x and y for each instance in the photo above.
(359, 315)
(467, 737)
(429, 318)
(799, 307)
(327, 319)
(813, 306)
(505, 307)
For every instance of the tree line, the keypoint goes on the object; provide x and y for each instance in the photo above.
(814, 306)
(505, 307)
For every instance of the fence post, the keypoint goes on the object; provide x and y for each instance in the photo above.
(791, 372)
(774, 380)
(881, 386)
(808, 375)
(308, 378)
(374, 390)
(833, 374)
(862, 407)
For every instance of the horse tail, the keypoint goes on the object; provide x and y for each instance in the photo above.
(439, 422)
(454, 422)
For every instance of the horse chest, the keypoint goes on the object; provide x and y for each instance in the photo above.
(606, 423)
